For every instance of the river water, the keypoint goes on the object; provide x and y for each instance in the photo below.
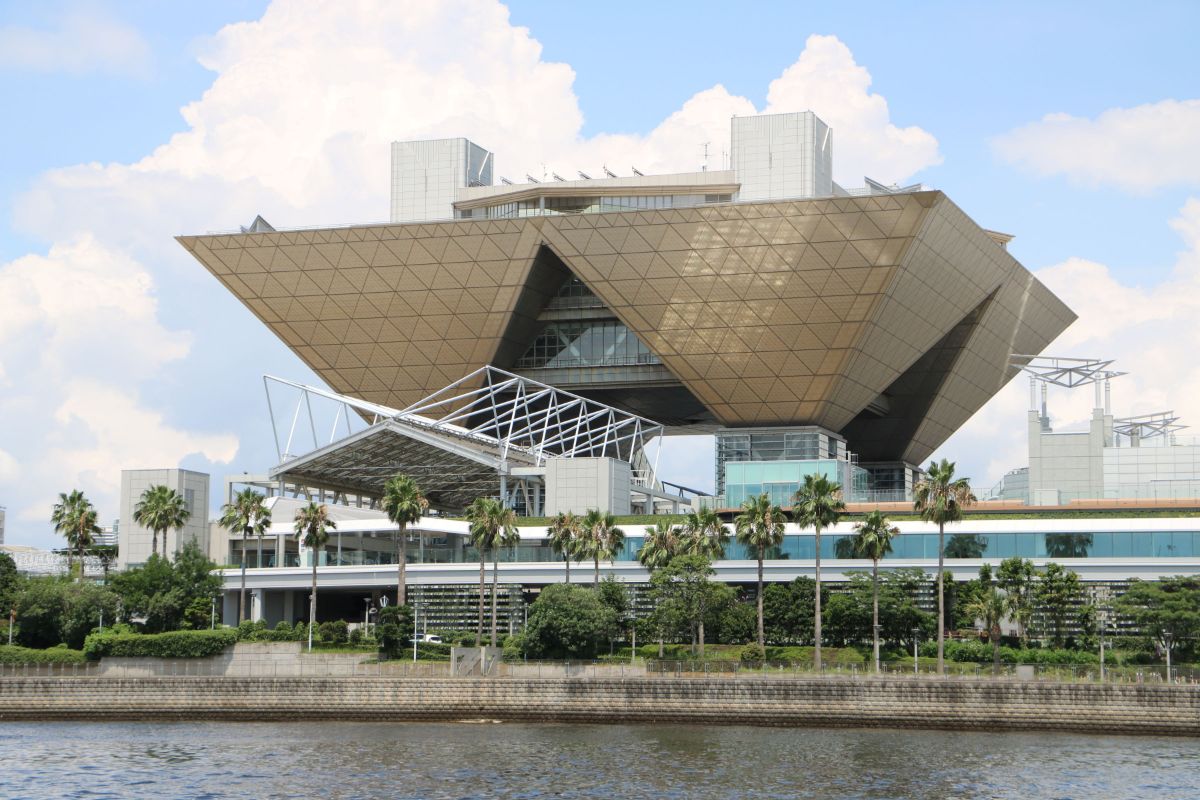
(355, 760)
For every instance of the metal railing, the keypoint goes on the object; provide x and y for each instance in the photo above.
(318, 667)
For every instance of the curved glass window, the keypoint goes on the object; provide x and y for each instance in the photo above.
(594, 343)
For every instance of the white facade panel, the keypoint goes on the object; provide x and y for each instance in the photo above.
(780, 156)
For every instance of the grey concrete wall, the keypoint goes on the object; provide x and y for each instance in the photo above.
(580, 484)
(943, 704)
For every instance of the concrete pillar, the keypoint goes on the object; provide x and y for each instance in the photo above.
(289, 606)
(257, 601)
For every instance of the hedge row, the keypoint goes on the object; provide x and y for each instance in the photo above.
(15, 654)
(173, 644)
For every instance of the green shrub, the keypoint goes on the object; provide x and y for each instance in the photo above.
(173, 644)
(356, 637)
(439, 651)
(752, 655)
(15, 654)
(247, 631)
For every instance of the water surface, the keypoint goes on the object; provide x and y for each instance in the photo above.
(428, 760)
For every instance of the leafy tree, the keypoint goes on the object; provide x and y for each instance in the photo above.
(75, 518)
(759, 528)
(248, 515)
(730, 620)
(404, 504)
(312, 530)
(940, 498)
(107, 555)
(682, 587)
(899, 605)
(167, 595)
(1061, 599)
(788, 611)
(492, 524)
(602, 540)
(990, 608)
(160, 509)
(563, 537)
(10, 581)
(817, 503)
(568, 621)
(1016, 578)
(873, 539)
(846, 619)
(55, 611)
(394, 629)
(1167, 606)
(704, 535)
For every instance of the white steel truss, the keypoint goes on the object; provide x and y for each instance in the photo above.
(1147, 426)
(504, 411)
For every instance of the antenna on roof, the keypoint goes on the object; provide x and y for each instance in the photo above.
(704, 167)
(609, 172)
(557, 177)
(505, 181)
(637, 172)
(532, 179)
(584, 175)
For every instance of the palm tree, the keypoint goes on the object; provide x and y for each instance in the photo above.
(602, 540)
(160, 509)
(759, 528)
(989, 608)
(940, 497)
(312, 530)
(563, 536)
(509, 536)
(404, 504)
(818, 502)
(660, 544)
(873, 539)
(705, 535)
(247, 514)
(75, 518)
(490, 523)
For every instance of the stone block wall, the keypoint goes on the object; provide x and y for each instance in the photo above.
(942, 704)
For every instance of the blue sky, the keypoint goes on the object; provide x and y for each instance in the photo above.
(141, 356)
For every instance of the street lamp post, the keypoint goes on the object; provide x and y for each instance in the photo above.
(1167, 637)
(212, 626)
(916, 632)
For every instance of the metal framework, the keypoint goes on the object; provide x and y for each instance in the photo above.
(1147, 426)
(1067, 373)
(498, 409)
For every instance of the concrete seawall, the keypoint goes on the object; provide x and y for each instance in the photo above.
(941, 704)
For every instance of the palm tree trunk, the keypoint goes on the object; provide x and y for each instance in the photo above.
(567, 561)
(482, 579)
(941, 599)
(761, 638)
(700, 636)
(875, 611)
(154, 542)
(312, 601)
(596, 579)
(495, 573)
(994, 635)
(817, 605)
(401, 564)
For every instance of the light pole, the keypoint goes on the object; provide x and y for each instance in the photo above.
(916, 632)
(213, 621)
(414, 607)
(1167, 637)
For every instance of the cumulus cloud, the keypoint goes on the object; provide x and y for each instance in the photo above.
(79, 332)
(80, 42)
(1139, 149)
(296, 126)
(1151, 331)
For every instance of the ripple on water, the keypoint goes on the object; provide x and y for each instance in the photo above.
(341, 761)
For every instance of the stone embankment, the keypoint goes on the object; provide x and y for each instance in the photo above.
(865, 702)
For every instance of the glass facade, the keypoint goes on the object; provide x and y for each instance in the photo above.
(544, 206)
(596, 343)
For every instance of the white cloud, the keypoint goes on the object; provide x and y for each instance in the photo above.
(1151, 331)
(79, 332)
(81, 42)
(1139, 149)
(296, 126)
